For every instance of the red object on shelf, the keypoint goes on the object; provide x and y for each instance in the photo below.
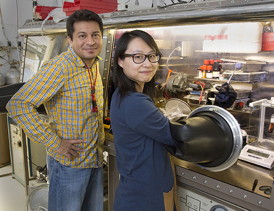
(268, 41)
(97, 6)
(41, 12)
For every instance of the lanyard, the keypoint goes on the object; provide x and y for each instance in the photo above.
(92, 86)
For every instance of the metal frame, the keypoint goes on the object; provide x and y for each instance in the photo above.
(200, 7)
(113, 174)
(221, 10)
(219, 189)
(106, 65)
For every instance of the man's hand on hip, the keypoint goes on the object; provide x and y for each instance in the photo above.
(69, 149)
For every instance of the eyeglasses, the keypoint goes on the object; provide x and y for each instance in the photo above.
(139, 58)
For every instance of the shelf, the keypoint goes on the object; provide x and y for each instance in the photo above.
(171, 65)
(222, 81)
(173, 58)
(202, 51)
(225, 80)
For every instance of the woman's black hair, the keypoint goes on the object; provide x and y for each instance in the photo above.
(120, 80)
(82, 15)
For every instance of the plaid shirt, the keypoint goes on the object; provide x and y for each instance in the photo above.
(63, 85)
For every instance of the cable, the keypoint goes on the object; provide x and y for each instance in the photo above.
(169, 70)
(2, 24)
(17, 37)
(1, 57)
(172, 4)
(8, 41)
(127, 2)
(175, 49)
(29, 159)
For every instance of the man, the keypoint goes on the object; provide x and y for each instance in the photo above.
(70, 88)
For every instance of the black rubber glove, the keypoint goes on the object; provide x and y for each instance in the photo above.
(226, 96)
(201, 139)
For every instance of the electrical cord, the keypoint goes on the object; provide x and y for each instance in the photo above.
(175, 49)
(8, 41)
(7, 61)
(32, 162)
(2, 25)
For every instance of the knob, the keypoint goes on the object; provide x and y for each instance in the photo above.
(19, 144)
(218, 208)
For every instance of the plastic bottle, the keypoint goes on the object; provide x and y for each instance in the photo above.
(203, 68)
(216, 70)
(211, 62)
(209, 73)
(200, 72)
(206, 62)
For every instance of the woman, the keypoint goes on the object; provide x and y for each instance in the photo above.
(140, 130)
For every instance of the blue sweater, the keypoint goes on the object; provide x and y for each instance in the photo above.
(140, 130)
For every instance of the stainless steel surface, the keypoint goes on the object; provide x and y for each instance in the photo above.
(35, 28)
(241, 175)
(235, 184)
(113, 175)
(200, 12)
(108, 42)
(190, 198)
(196, 12)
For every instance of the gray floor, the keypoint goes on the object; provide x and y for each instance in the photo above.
(12, 193)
